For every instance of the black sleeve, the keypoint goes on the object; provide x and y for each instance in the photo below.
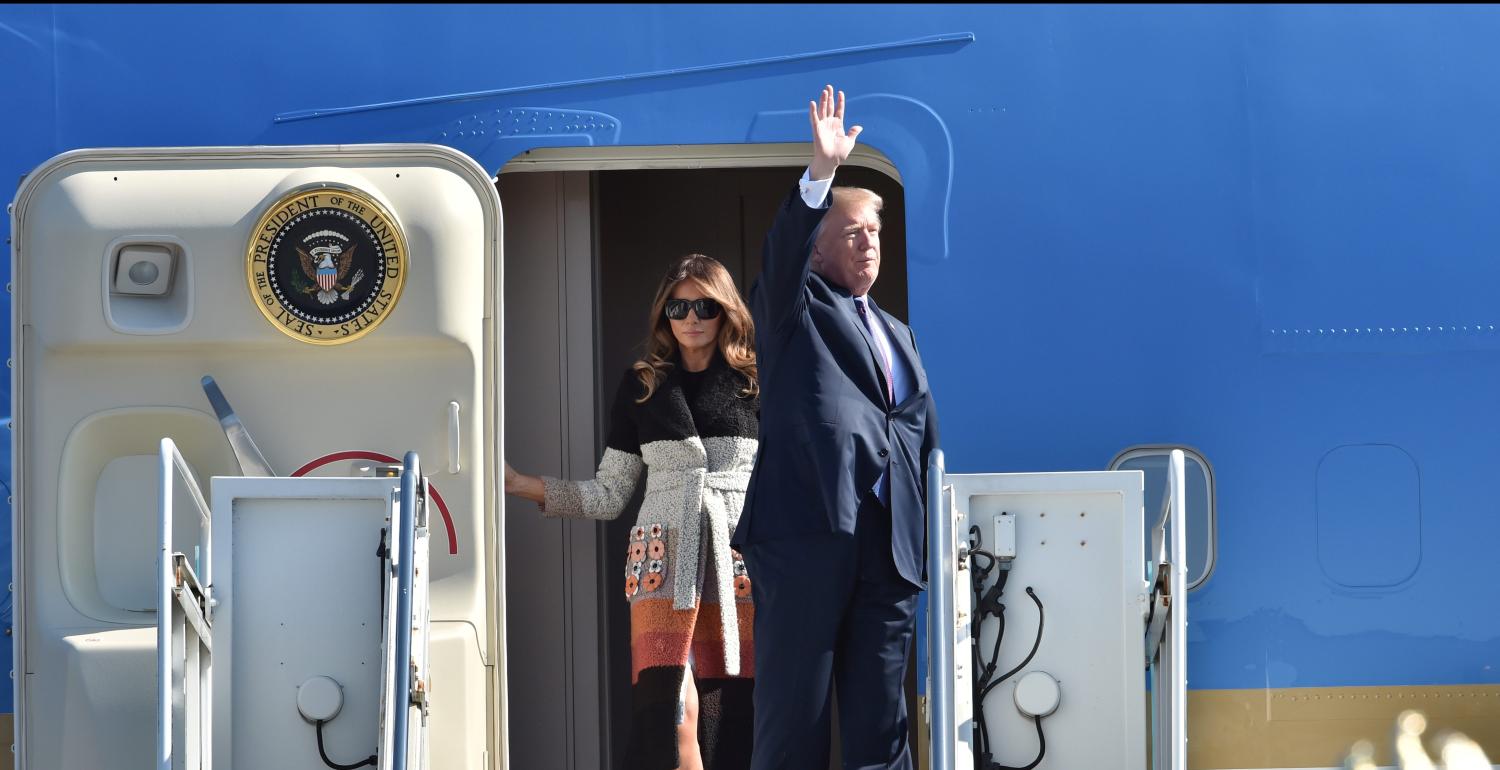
(786, 260)
(623, 434)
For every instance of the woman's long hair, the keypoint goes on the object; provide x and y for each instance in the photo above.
(736, 338)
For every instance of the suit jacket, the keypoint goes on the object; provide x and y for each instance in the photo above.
(827, 427)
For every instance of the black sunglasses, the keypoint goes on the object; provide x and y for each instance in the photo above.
(706, 308)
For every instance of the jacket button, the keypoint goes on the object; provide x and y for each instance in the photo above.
(884, 453)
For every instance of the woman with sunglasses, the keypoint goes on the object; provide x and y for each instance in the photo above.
(687, 414)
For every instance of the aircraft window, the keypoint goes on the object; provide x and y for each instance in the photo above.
(1201, 514)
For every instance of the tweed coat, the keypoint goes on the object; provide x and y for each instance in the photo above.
(697, 459)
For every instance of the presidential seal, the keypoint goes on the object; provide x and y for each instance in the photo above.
(326, 264)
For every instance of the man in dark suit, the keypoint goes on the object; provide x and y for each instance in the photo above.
(834, 524)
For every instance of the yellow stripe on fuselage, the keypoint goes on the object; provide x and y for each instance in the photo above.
(1315, 726)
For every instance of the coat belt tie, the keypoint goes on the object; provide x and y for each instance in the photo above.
(703, 494)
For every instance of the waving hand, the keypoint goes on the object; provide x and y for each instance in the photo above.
(831, 144)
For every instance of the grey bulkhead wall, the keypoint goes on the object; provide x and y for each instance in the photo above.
(552, 581)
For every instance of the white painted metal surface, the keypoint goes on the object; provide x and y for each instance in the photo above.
(1078, 546)
(1078, 542)
(184, 642)
(85, 639)
(1169, 666)
(299, 587)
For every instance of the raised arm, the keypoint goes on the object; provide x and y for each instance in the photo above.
(787, 253)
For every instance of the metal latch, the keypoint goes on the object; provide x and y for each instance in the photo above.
(1160, 609)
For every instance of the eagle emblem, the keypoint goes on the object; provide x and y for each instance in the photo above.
(326, 264)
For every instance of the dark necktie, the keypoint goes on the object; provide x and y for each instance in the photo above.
(879, 341)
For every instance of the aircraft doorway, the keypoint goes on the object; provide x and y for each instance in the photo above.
(584, 251)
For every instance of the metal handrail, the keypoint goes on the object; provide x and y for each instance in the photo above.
(172, 459)
(940, 630)
(173, 462)
(404, 548)
(1169, 751)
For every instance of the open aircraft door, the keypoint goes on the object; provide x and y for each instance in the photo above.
(1044, 616)
(166, 576)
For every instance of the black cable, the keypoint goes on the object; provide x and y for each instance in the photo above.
(983, 737)
(1041, 751)
(978, 573)
(336, 766)
(984, 670)
(983, 744)
(1041, 622)
(988, 604)
(989, 601)
(989, 668)
(381, 552)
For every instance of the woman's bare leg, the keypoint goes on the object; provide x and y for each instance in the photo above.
(690, 758)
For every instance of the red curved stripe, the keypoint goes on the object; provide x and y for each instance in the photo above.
(359, 454)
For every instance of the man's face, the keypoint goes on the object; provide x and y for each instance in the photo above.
(847, 251)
